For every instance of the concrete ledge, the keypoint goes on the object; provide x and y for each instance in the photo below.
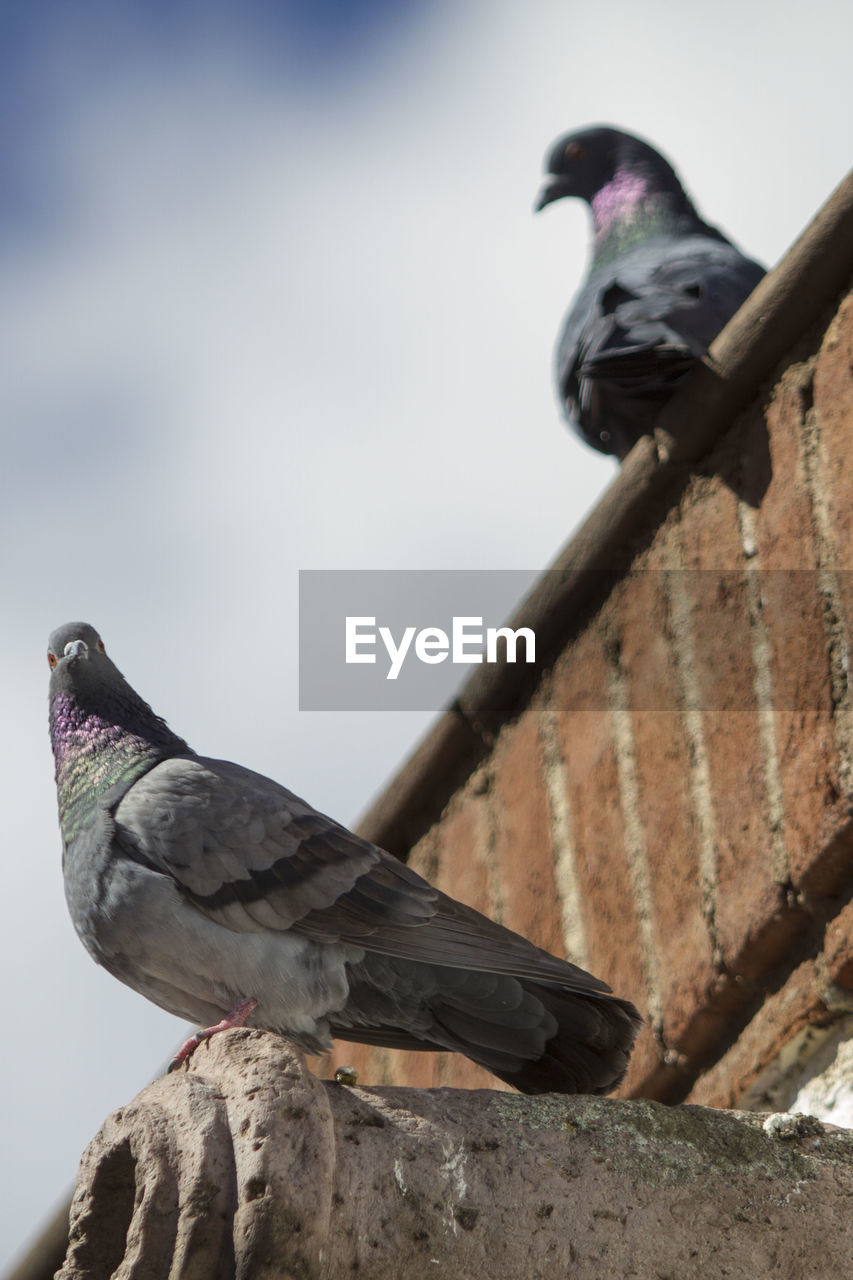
(248, 1165)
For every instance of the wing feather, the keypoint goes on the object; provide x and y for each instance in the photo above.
(251, 855)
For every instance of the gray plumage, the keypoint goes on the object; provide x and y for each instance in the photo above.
(201, 884)
(661, 285)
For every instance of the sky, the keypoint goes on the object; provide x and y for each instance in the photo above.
(273, 298)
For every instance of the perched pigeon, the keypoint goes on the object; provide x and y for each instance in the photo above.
(661, 286)
(223, 898)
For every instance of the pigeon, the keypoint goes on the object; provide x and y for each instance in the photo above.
(661, 285)
(226, 900)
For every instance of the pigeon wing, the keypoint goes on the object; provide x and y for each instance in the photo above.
(246, 851)
(658, 306)
(639, 326)
(251, 855)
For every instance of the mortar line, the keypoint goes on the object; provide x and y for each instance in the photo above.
(635, 836)
(566, 877)
(701, 789)
(759, 640)
(815, 467)
(494, 875)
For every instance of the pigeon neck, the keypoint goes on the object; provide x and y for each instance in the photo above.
(630, 208)
(94, 754)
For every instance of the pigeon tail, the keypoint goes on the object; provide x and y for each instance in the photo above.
(538, 1035)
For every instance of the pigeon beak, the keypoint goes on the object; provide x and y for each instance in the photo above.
(76, 649)
(554, 188)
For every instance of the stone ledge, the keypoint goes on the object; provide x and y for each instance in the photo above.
(248, 1165)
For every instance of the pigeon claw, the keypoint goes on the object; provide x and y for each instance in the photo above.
(235, 1018)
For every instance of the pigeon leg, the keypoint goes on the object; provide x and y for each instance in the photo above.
(235, 1018)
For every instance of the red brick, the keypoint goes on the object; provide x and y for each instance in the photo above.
(783, 518)
(667, 812)
(585, 730)
(838, 948)
(747, 895)
(833, 415)
(806, 742)
(796, 1006)
(815, 807)
(523, 838)
(815, 803)
(792, 613)
(413, 1068)
(709, 534)
(833, 407)
(454, 856)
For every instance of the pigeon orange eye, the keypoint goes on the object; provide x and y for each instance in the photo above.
(101, 646)
(51, 659)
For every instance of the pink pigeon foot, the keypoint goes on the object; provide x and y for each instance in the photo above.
(235, 1018)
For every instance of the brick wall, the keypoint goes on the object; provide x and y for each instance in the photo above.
(671, 804)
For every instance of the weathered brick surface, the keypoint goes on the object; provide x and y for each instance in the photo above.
(521, 819)
(682, 941)
(833, 407)
(711, 857)
(748, 1066)
(456, 855)
(838, 949)
(586, 730)
(815, 807)
(793, 612)
(786, 536)
(746, 891)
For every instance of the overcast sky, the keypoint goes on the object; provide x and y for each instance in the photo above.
(273, 298)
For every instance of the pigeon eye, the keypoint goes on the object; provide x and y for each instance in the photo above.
(101, 646)
(575, 152)
(51, 658)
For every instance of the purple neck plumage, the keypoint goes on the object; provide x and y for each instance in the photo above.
(618, 201)
(631, 207)
(94, 754)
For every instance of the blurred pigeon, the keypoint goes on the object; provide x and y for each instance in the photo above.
(660, 287)
(225, 899)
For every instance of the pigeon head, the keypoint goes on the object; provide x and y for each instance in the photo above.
(71, 643)
(630, 188)
(85, 679)
(585, 162)
(81, 670)
(102, 733)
